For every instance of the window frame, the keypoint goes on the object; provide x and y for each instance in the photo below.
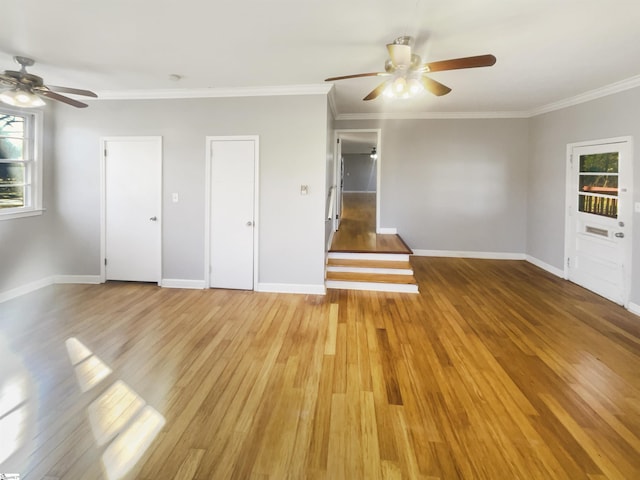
(33, 144)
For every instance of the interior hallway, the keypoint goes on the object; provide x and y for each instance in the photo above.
(357, 232)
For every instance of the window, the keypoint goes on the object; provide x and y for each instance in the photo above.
(20, 163)
(598, 184)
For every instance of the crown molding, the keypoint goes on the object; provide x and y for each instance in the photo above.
(327, 89)
(429, 115)
(176, 93)
(605, 91)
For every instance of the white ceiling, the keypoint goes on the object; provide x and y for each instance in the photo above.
(547, 50)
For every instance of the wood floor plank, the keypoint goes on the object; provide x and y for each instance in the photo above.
(496, 369)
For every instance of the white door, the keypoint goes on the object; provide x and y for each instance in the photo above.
(232, 234)
(132, 172)
(599, 218)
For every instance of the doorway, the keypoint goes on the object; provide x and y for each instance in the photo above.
(131, 220)
(357, 170)
(598, 218)
(231, 256)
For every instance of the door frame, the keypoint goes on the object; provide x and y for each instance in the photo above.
(627, 217)
(103, 197)
(207, 203)
(337, 164)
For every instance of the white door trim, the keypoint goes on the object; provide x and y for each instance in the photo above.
(627, 217)
(103, 198)
(338, 161)
(207, 204)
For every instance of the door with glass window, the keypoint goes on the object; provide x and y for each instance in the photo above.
(599, 216)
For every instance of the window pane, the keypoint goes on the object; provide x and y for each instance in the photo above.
(11, 197)
(11, 148)
(12, 173)
(602, 184)
(599, 162)
(10, 125)
(603, 206)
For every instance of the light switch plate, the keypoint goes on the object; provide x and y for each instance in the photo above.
(174, 197)
(304, 189)
(636, 207)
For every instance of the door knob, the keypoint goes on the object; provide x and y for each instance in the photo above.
(249, 223)
(619, 235)
(154, 219)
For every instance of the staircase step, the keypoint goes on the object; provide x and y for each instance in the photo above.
(392, 257)
(370, 271)
(370, 277)
(369, 266)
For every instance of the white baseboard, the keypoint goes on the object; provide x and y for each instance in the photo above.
(81, 279)
(545, 266)
(291, 288)
(182, 283)
(459, 254)
(27, 288)
(634, 308)
(387, 231)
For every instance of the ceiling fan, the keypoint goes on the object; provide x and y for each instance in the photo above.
(408, 73)
(26, 89)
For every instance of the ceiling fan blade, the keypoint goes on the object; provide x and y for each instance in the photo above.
(357, 75)
(458, 63)
(375, 93)
(7, 80)
(74, 91)
(60, 98)
(400, 54)
(434, 87)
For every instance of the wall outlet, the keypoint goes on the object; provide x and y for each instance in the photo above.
(304, 189)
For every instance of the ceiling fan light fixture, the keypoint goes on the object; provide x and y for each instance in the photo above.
(21, 98)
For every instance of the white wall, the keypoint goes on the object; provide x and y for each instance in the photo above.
(454, 184)
(293, 145)
(359, 173)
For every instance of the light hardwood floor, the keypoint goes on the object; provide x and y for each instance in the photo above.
(496, 370)
(357, 232)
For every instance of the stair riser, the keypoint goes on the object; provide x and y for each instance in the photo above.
(395, 257)
(375, 287)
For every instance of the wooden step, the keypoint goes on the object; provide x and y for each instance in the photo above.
(369, 266)
(370, 271)
(370, 277)
(372, 281)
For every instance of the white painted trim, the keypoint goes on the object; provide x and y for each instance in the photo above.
(462, 254)
(256, 204)
(431, 115)
(387, 231)
(77, 279)
(634, 308)
(558, 272)
(182, 283)
(173, 93)
(46, 282)
(372, 286)
(24, 289)
(332, 102)
(103, 197)
(616, 87)
(330, 241)
(291, 288)
(392, 257)
(338, 162)
(585, 97)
